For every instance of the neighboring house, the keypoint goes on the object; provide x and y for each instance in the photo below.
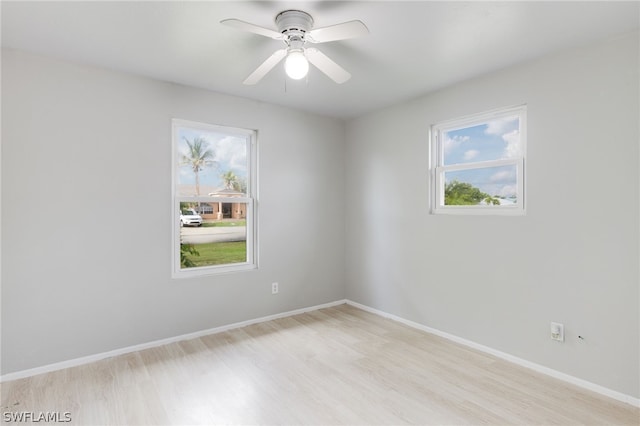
(227, 210)
(217, 210)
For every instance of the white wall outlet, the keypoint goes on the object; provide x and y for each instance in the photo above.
(557, 331)
(274, 288)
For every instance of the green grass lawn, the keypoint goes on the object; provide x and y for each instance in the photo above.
(219, 253)
(239, 222)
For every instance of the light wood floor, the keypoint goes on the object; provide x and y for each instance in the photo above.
(338, 365)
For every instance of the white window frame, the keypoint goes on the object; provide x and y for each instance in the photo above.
(250, 199)
(438, 168)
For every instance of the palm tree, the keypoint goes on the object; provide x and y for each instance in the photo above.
(230, 179)
(198, 157)
(240, 185)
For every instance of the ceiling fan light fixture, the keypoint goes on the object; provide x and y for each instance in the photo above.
(295, 29)
(296, 65)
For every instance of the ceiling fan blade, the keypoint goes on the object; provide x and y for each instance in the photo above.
(246, 26)
(342, 31)
(327, 66)
(265, 67)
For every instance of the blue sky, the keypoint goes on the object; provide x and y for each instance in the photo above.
(230, 154)
(493, 140)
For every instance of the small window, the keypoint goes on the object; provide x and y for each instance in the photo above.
(477, 163)
(214, 185)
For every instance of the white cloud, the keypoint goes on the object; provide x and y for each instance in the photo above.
(500, 125)
(509, 130)
(502, 176)
(231, 154)
(508, 191)
(452, 143)
(512, 150)
(471, 154)
(501, 185)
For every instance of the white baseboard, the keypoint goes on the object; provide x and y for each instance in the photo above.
(519, 361)
(97, 357)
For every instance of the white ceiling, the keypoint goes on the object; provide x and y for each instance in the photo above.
(413, 47)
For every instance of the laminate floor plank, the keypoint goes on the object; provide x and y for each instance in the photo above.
(334, 366)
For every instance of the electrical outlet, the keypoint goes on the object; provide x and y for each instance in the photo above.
(557, 331)
(274, 288)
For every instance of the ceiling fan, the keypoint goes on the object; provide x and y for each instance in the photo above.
(295, 28)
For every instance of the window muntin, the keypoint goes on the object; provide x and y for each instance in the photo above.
(478, 163)
(213, 199)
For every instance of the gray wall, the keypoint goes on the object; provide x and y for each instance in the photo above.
(86, 212)
(499, 281)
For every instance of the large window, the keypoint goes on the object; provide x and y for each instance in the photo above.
(214, 184)
(478, 162)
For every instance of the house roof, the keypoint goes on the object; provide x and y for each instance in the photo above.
(226, 192)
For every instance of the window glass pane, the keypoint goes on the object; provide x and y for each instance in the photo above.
(211, 163)
(493, 140)
(212, 233)
(488, 185)
(214, 217)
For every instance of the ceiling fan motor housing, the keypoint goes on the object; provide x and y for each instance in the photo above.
(294, 23)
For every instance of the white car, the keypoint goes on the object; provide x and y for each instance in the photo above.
(189, 217)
